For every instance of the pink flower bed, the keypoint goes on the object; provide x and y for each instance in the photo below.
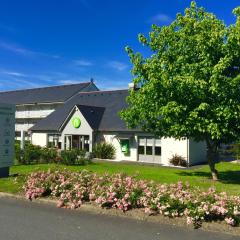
(125, 193)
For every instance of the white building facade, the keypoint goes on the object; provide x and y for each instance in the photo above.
(91, 118)
(80, 116)
(27, 115)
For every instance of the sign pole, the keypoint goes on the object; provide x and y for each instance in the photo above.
(4, 172)
(7, 133)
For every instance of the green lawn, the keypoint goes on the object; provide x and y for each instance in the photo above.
(229, 174)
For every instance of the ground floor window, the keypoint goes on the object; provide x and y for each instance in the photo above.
(81, 142)
(54, 141)
(149, 149)
(17, 134)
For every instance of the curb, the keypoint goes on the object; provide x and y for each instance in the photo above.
(135, 214)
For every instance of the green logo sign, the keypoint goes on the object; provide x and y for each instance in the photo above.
(124, 145)
(76, 122)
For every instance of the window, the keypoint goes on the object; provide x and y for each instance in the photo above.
(18, 134)
(150, 142)
(149, 146)
(86, 143)
(141, 146)
(158, 151)
(149, 150)
(53, 140)
(158, 142)
(81, 142)
(142, 141)
(140, 149)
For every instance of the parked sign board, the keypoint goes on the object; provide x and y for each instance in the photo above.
(7, 132)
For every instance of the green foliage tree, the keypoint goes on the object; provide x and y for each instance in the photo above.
(190, 85)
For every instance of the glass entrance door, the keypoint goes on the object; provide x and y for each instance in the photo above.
(80, 142)
(76, 142)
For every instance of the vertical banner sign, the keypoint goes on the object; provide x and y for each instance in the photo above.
(7, 133)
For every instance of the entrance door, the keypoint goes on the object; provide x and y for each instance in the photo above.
(149, 150)
(77, 142)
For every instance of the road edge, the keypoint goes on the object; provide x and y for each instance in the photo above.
(136, 214)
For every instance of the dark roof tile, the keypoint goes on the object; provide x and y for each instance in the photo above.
(112, 102)
(45, 95)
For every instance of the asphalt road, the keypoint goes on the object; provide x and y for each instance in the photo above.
(21, 220)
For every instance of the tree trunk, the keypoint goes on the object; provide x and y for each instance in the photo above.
(212, 157)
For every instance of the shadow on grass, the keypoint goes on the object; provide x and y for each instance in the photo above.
(227, 177)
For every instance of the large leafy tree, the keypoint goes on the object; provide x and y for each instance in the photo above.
(190, 86)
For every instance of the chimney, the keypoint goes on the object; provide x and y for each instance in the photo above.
(133, 86)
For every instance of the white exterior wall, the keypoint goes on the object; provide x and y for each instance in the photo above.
(28, 115)
(39, 139)
(171, 146)
(112, 138)
(23, 126)
(35, 113)
(197, 152)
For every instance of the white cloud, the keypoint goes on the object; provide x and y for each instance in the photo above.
(71, 81)
(161, 18)
(83, 63)
(18, 84)
(14, 48)
(23, 51)
(14, 74)
(111, 83)
(120, 66)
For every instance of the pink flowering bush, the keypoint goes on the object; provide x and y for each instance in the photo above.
(125, 193)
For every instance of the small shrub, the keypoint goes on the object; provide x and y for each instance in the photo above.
(35, 154)
(104, 151)
(73, 157)
(48, 155)
(82, 157)
(178, 160)
(31, 154)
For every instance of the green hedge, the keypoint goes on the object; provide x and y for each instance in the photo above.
(104, 151)
(31, 154)
(73, 157)
(49, 155)
(35, 154)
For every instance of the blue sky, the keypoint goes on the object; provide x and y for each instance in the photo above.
(51, 42)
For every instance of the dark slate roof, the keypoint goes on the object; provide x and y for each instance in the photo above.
(112, 102)
(46, 94)
(93, 115)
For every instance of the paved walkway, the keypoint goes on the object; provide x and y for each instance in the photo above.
(21, 220)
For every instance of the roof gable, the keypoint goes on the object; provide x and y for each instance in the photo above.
(93, 115)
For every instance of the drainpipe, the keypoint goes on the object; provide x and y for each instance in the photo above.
(22, 140)
(91, 137)
(188, 152)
